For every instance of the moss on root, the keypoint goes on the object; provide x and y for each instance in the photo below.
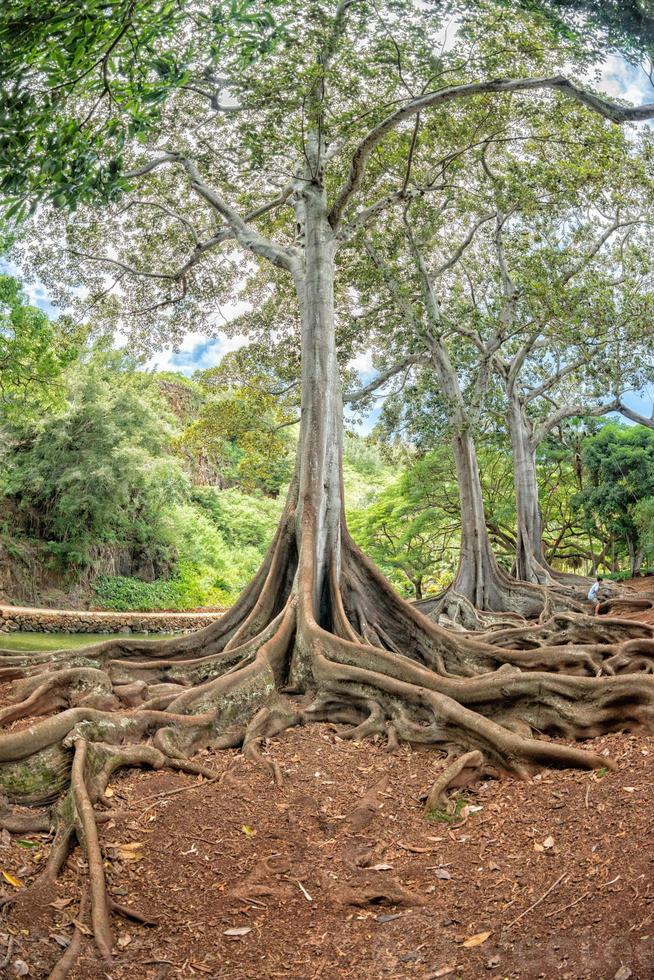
(39, 779)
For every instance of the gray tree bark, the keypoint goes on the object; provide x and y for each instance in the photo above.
(530, 562)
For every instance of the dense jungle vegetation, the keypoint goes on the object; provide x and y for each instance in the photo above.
(128, 488)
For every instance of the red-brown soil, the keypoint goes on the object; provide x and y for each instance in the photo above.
(558, 870)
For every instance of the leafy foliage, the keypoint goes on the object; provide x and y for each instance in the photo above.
(34, 351)
(95, 471)
(408, 531)
(241, 435)
(620, 493)
(79, 81)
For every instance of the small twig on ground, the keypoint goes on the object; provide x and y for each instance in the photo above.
(531, 907)
(67, 961)
(10, 949)
(205, 840)
(564, 908)
(171, 792)
(303, 890)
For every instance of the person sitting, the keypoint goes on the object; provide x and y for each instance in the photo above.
(594, 594)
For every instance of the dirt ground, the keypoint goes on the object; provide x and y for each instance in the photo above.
(550, 878)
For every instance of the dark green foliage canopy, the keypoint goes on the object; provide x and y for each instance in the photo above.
(619, 461)
(78, 78)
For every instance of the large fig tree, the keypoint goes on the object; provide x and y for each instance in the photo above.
(272, 155)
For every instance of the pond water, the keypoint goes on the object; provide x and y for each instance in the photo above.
(62, 641)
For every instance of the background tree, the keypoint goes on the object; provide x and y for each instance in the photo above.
(407, 531)
(620, 464)
(91, 473)
(533, 222)
(241, 434)
(34, 351)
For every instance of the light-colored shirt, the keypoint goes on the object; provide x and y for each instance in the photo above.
(594, 589)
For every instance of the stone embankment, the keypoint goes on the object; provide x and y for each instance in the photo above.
(30, 620)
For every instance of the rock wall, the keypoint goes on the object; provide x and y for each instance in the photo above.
(30, 620)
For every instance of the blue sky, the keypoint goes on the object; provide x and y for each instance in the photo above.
(199, 352)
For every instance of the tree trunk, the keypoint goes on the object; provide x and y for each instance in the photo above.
(320, 446)
(530, 563)
(478, 572)
(635, 558)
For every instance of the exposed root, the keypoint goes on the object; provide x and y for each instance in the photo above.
(369, 806)
(455, 611)
(514, 602)
(376, 893)
(344, 649)
(132, 914)
(624, 604)
(87, 833)
(460, 772)
(66, 963)
(19, 822)
(4, 962)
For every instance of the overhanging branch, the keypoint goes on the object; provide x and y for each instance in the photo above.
(604, 107)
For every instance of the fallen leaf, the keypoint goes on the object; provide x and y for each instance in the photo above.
(124, 940)
(623, 973)
(62, 941)
(248, 831)
(389, 917)
(128, 852)
(5, 837)
(548, 843)
(239, 931)
(60, 903)
(443, 874)
(27, 843)
(443, 972)
(629, 789)
(414, 849)
(108, 792)
(381, 867)
(476, 940)
(538, 847)
(21, 969)
(16, 882)
(493, 962)
(493, 866)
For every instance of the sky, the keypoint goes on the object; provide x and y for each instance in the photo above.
(199, 352)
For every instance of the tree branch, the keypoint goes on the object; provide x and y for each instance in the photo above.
(242, 231)
(456, 255)
(147, 168)
(629, 413)
(353, 397)
(609, 110)
(569, 411)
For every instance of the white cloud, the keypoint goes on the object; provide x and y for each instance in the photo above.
(621, 80)
(362, 363)
(196, 353)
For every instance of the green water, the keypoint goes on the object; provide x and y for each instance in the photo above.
(61, 641)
